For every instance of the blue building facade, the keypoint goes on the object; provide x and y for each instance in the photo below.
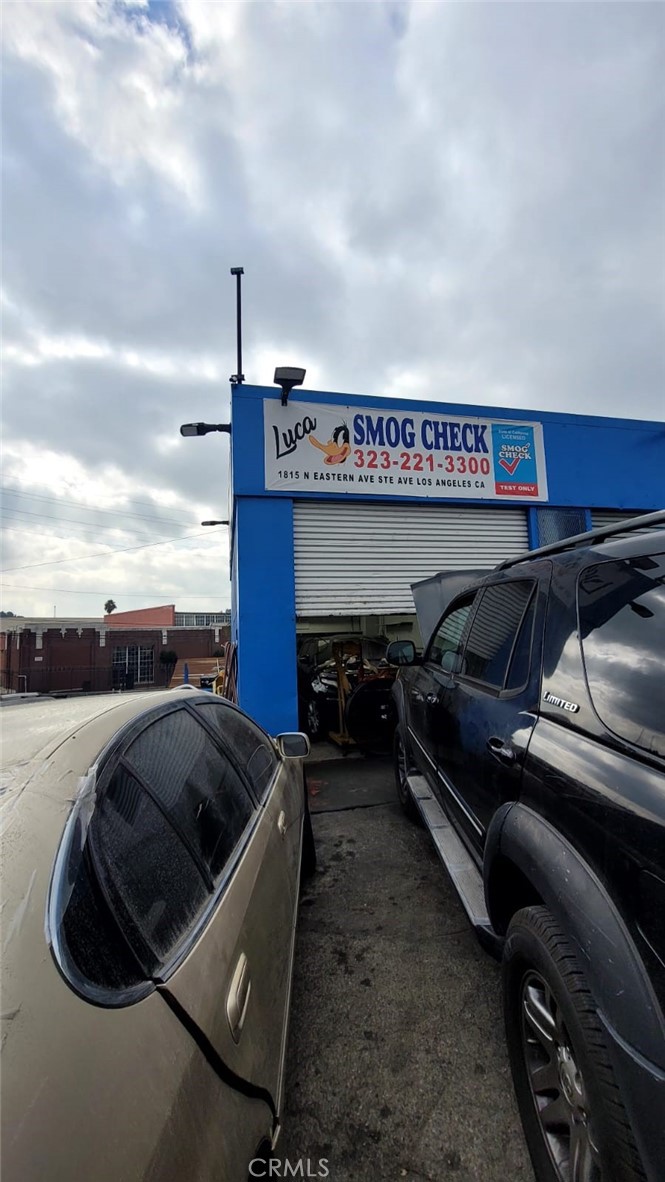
(545, 474)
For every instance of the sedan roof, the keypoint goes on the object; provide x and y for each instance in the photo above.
(32, 730)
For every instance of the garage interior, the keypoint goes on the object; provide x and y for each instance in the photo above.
(355, 564)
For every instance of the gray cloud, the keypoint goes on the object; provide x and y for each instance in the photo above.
(463, 202)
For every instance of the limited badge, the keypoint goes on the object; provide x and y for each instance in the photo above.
(571, 707)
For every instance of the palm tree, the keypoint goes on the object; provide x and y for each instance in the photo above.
(109, 607)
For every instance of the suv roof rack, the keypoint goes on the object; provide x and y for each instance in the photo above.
(591, 537)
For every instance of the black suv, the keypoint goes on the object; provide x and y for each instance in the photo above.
(531, 742)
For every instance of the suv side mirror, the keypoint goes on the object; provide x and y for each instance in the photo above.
(401, 652)
(293, 745)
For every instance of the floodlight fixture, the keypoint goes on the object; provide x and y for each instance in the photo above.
(288, 376)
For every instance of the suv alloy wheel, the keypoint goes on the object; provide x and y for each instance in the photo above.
(575, 1124)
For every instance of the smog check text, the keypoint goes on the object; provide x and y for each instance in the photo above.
(390, 431)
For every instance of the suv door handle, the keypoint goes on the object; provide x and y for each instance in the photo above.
(502, 752)
(281, 823)
(237, 999)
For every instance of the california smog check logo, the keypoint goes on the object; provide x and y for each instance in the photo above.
(510, 456)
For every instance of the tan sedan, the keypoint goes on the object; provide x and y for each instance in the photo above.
(152, 846)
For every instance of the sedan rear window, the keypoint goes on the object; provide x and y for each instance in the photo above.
(622, 631)
(252, 748)
(196, 785)
(154, 886)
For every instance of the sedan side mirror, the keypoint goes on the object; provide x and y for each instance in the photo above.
(401, 652)
(293, 745)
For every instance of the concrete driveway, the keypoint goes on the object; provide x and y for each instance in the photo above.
(396, 1063)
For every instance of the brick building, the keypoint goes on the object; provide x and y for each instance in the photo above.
(167, 617)
(40, 655)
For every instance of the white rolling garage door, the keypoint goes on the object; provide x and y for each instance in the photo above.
(605, 518)
(360, 559)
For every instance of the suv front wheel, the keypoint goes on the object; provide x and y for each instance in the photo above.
(403, 766)
(573, 1116)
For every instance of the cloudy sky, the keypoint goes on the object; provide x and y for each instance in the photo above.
(455, 201)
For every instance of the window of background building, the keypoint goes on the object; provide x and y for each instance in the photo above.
(134, 664)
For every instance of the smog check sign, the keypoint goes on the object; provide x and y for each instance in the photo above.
(345, 449)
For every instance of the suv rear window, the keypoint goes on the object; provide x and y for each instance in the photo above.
(622, 631)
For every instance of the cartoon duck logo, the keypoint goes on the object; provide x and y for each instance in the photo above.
(338, 447)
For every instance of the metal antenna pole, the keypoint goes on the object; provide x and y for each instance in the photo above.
(238, 378)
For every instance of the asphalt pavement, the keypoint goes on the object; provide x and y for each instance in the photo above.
(396, 1062)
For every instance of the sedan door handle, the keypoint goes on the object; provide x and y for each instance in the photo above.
(502, 752)
(237, 1000)
(281, 823)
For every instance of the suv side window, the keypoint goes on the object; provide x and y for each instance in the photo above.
(449, 637)
(493, 631)
(252, 748)
(195, 785)
(622, 631)
(520, 661)
(155, 888)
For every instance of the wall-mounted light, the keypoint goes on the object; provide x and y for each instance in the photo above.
(204, 428)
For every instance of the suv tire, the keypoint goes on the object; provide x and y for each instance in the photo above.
(403, 764)
(574, 1120)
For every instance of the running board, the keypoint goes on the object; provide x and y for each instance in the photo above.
(465, 875)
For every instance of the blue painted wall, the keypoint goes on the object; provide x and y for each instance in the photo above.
(264, 612)
(592, 462)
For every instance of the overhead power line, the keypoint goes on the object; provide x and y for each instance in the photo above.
(65, 501)
(108, 553)
(150, 593)
(59, 523)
